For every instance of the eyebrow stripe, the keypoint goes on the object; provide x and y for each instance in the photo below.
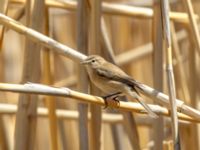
(90, 58)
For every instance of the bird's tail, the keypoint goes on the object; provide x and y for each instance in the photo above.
(141, 101)
(136, 84)
(147, 108)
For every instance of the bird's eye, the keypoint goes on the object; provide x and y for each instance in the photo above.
(93, 61)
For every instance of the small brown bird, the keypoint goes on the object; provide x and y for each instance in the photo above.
(111, 79)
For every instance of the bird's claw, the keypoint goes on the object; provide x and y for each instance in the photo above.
(110, 101)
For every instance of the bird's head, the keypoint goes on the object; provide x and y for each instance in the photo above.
(93, 61)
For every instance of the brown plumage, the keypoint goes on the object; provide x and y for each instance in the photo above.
(111, 79)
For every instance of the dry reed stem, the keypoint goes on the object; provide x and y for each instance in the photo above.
(33, 88)
(158, 124)
(130, 125)
(109, 118)
(169, 69)
(193, 23)
(3, 142)
(168, 145)
(95, 48)
(3, 10)
(192, 143)
(11, 109)
(25, 126)
(83, 84)
(159, 97)
(117, 9)
(106, 46)
(181, 83)
(48, 79)
(180, 67)
(19, 13)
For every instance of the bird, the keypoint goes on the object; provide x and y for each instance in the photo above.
(112, 80)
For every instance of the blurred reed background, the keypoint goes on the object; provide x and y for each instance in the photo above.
(130, 33)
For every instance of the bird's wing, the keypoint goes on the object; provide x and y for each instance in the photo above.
(117, 75)
(120, 76)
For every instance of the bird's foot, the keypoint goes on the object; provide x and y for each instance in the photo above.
(111, 100)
